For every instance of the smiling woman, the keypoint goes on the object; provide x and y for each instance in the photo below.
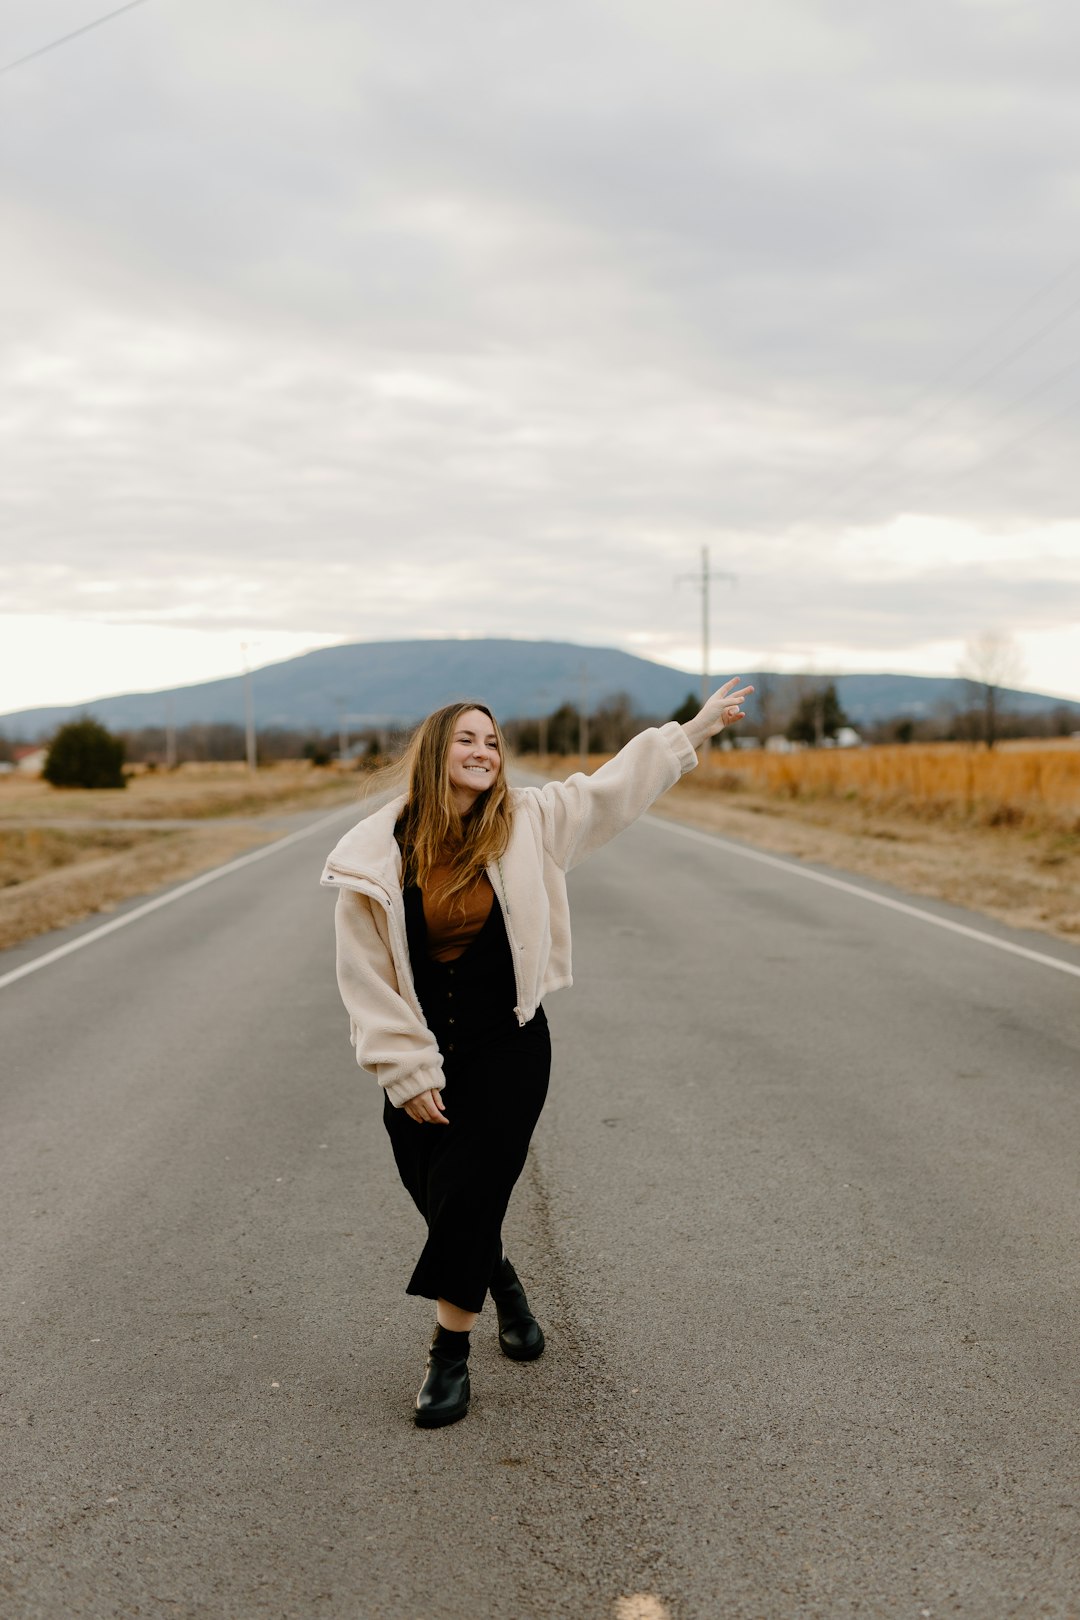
(452, 924)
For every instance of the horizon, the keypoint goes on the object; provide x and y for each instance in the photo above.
(693, 675)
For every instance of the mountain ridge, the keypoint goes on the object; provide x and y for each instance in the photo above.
(397, 682)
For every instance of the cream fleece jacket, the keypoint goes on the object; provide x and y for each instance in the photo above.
(554, 827)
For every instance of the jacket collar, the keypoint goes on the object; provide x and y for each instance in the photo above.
(369, 850)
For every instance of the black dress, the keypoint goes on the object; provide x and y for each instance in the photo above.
(460, 1175)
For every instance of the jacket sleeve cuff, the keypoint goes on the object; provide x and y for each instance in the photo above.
(680, 745)
(411, 1085)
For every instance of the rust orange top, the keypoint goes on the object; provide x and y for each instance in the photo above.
(453, 923)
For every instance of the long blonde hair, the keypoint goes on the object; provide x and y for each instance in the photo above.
(431, 829)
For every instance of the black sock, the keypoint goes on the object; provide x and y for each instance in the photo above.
(455, 1344)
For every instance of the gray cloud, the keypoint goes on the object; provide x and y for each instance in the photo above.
(407, 319)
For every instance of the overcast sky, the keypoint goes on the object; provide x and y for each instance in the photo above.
(334, 321)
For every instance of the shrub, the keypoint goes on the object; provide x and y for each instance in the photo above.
(84, 755)
(818, 715)
(687, 709)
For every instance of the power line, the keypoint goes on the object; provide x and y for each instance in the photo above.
(947, 373)
(855, 484)
(902, 480)
(940, 486)
(55, 44)
(1032, 393)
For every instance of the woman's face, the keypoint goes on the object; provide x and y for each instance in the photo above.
(474, 762)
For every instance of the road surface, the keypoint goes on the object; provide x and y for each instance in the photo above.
(800, 1221)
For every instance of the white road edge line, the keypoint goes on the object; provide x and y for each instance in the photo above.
(719, 842)
(173, 894)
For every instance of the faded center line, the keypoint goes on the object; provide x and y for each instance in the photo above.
(641, 1606)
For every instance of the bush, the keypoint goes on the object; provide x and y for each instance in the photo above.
(84, 755)
(817, 716)
(687, 709)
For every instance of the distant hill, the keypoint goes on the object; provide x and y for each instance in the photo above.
(386, 682)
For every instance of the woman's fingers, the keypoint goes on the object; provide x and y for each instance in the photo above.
(735, 698)
(728, 703)
(427, 1108)
(728, 694)
(723, 708)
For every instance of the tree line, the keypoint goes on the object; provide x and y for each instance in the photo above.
(83, 753)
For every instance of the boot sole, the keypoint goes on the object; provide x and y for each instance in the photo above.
(439, 1420)
(529, 1354)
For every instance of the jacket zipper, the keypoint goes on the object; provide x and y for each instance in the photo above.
(375, 891)
(514, 952)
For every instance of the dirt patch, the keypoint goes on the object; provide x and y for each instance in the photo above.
(29, 852)
(193, 791)
(96, 879)
(67, 854)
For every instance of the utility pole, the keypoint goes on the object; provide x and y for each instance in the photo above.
(701, 580)
(342, 731)
(542, 695)
(249, 712)
(170, 734)
(583, 716)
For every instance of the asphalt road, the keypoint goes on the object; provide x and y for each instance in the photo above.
(801, 1223)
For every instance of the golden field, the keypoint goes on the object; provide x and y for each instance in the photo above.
(1013, 784)
(996, 832)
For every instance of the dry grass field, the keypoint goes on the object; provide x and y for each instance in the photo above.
(65, 853)
(997, 832)
(1033, 784)
(193, 792)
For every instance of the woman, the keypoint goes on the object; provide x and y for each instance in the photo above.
(452, 923)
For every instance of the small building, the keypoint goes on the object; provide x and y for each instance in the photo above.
(30, 761)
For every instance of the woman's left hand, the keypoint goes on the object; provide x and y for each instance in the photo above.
(722, 709)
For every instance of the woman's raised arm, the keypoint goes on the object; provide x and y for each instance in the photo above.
(584, 812)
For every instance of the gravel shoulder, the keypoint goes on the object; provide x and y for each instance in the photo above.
(66, 855)
(1027, 878)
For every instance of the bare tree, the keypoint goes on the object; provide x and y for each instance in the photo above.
(991, 664)
(765, 700)
(614, 723)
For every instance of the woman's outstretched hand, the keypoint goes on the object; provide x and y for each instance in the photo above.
(721, 710)
(427, 1109)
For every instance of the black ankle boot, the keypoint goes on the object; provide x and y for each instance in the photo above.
(520, 1335)
(444, 1394)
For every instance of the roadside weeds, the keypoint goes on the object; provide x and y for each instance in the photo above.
(55, 872)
